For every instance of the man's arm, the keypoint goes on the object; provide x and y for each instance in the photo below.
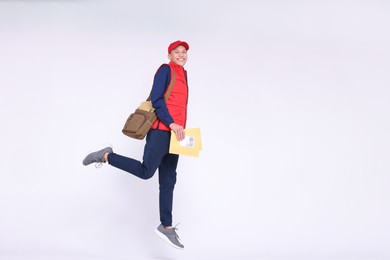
(160, 84)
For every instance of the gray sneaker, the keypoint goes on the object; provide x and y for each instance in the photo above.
(97, 157)
(169, 235)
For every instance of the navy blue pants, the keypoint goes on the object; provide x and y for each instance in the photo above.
(156, 156)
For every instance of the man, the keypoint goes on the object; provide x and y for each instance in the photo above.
(172, 115)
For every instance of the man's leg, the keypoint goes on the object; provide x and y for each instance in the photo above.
(167, 181)
(156, 147)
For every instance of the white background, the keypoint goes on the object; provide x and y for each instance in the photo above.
(292, 98)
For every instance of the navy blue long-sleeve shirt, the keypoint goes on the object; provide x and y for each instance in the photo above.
(160, 85)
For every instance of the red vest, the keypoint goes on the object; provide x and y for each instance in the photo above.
(177, 101)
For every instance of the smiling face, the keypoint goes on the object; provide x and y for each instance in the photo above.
(178, 55)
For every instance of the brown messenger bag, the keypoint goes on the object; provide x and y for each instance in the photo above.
(141, 120)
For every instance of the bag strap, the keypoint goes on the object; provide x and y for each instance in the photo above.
(169, 90)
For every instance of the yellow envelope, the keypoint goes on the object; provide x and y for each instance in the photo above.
(191, 145)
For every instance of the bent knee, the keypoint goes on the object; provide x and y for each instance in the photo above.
(147, 176)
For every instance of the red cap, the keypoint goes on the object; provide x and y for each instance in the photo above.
(174, 45)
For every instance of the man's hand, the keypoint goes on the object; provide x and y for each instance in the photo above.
(179, 131)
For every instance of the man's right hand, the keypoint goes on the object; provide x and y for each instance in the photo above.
(179, 131)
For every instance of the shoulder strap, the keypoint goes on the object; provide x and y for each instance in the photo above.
(169, 90)
(170, 87)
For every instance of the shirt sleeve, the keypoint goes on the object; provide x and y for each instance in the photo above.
(160, 85)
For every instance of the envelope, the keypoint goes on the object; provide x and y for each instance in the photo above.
(191, 145)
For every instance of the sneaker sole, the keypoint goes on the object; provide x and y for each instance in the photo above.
(163, 237)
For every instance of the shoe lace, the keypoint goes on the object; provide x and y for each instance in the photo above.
(98, 165)
(174, 229)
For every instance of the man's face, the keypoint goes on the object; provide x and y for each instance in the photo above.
(178, 55)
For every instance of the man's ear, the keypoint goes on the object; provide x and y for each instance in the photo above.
(169, 57)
